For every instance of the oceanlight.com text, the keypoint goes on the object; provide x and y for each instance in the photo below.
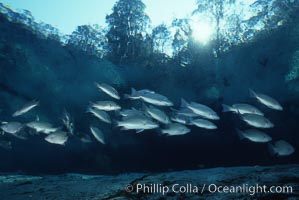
(208, 188)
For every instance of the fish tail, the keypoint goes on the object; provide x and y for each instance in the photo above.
(271, 150)
(161, 131)
(240, 134)
(184, 103)
(133, 91)
(15, 114)
(116, 123)
(158, 131)
(252, 93)
(97, 85)
(227, 108)
(91, 104)
(89, 109)
(127, 96)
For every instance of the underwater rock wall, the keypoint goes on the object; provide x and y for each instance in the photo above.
(292, 77)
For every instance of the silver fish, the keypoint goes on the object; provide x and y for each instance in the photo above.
(100, 114)
(84, 138)
(131, 112)
(59, 137)
(137, 94)
(106, 105)
(257, 121)
(97, 134)
(157, 114)
(43, 127)
(138, 123)
(242, 109)
(281, 148)
(182, 119)
(108, 90)
(266, 100)
(150, 97)
(27, 107)
(176, 129)
(200, 110)
(202, 123)
(254, 135)
(68, 122)
(11, 127)
(185, 112)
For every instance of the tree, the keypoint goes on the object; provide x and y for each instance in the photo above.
(90, 39)
(127, 26)
(217, 10)
(161, 38)
(181, 40)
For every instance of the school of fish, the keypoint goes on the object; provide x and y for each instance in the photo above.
(157, 112)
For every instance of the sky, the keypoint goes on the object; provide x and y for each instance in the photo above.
(66, 15)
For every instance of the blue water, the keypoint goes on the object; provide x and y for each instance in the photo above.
(62, 78)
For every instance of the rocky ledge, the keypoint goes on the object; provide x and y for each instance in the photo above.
(257, 182)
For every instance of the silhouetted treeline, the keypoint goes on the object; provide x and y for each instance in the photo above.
(130, 38)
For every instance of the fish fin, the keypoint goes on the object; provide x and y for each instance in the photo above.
(89, 110)
(36, 102)
(20, 137)
(117, 112)
(158, 131)
(115, 123)
(227, 108)
(144, 107)
(4, 122)
(271, 150)
(91, 104)
(252, 93)
(190, 122)
(59, 128)
(133, 91)
(127, 96)
(146, 114)
(184, 103)
(123, 129)
(97, 84)
(240, 134)
(163, 132)
(139, 130)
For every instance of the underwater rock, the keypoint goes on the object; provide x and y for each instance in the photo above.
(292, 77)
(294, 69)
(192, 184)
